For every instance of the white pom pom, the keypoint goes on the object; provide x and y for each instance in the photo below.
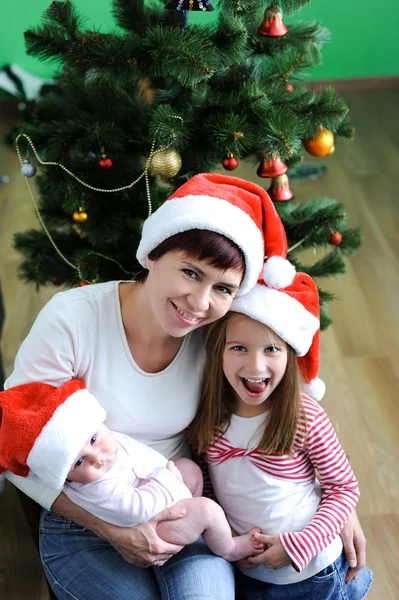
(2, 483)
(315, 388)
(278, 272)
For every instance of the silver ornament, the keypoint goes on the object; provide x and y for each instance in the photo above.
(27, 169)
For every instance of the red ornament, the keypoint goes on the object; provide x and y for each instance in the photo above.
(289, 87)
(271, 167)
(230, 162)
(280, 190)
(82, 283)
(335, 238)
(273, 25)
(105, 162)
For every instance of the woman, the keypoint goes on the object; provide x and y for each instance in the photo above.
(138, 347)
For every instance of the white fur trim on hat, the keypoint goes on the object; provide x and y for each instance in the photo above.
(213, 214)
(63, 436)
(283, 314)
(278, 272)
(315, 388)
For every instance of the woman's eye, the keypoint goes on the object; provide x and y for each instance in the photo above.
(190, 273)
(79, 462)
(223, 289)
(93, 439)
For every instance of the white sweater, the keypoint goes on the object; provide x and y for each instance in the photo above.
(80, 334)
(136, 488)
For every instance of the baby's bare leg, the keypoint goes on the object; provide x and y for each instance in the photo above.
(205, 517)
(192, 475)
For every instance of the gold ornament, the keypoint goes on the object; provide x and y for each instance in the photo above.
(80, 216)
(320, 145)
(166, 163)
(332, 150)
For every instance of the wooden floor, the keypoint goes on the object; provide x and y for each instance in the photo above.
(359, 352)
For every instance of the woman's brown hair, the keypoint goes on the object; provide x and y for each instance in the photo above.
(217, 400)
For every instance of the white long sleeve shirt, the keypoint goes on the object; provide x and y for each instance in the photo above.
(280, 494)
(135, 489)
(80, 334)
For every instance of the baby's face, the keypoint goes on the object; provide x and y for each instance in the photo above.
(96, 457)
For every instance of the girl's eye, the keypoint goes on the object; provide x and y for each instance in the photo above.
(223, 289)
(271, 349)
(93, 439)
(79, 462)
(238, 348)
(190, 273)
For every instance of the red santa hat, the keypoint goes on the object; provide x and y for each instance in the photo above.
(240, 210)
(293, 313)
(43, 428)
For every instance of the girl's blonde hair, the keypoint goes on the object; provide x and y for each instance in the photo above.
(217, 400)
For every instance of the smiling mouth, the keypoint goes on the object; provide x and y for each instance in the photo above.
(185, 316)
(255, 385)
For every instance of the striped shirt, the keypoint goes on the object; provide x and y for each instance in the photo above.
(288, 499)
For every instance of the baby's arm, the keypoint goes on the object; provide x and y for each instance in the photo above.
(340, 496)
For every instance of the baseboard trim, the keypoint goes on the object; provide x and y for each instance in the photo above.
(360, 83)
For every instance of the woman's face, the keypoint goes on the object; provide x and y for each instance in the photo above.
(186, 293)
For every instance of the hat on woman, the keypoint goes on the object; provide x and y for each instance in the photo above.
(43, 428)
(240, 210)
(294, 314)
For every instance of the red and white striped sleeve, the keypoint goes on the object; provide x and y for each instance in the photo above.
(340, 493)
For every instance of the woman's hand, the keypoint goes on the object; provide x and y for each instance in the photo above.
(140, 545)
(354, 545)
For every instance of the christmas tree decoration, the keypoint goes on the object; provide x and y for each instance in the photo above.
(271, 167)
(272, 24)
(335, 238)
(321, 145)
(331, 151)
(105, 162)
(83, 283)
(203, 5)
(27, 169)
(280, 190)
(80, 216)
(230, 162)
(289, 87)
(4, 179)
(165, 163)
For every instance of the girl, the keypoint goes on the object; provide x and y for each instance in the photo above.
(138, 348)
(264, 442)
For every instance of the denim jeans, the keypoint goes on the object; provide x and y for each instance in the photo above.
(329, 584)
(81, 566)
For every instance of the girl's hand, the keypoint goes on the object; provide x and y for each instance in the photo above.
(274, 556)
(140, 545)
(354, 545)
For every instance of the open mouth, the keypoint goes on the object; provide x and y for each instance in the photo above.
(185, 317)
(255, 386)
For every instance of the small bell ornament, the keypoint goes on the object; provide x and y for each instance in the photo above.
(27, 169)
(271, 167)
(321, 145)
(203, 5)
(280, 190)
(230, 162)
(80, 216)
(273, 24)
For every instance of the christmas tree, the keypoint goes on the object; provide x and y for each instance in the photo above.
(142, 109)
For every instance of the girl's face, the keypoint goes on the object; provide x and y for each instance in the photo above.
(254, 363)
(96, 457)
(186, 293)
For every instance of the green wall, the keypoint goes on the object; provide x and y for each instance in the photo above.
(364, 39)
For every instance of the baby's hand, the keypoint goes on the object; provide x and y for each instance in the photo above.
(275, 556)
(170, 465)
(258, 545)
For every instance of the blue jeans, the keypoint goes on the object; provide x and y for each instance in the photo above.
(81, 566)
(329, 584)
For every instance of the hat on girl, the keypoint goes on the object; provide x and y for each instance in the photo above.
(240, 210)
(43, 428)
(294, 314)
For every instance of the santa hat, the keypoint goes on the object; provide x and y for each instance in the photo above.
(240, 210)
(293, 313)
(43, 428)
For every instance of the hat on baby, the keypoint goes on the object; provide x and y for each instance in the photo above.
(43, 428)
(240, 210)
(294, 314)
